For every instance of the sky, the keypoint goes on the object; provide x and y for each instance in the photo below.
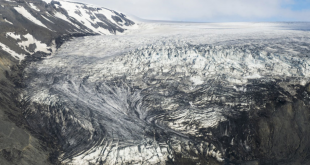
(211, 10)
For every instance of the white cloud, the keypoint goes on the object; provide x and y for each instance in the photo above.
(206, 10)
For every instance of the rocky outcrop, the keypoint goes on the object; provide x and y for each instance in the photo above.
(18, 144)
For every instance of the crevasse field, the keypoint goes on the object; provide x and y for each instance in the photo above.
(163, 89)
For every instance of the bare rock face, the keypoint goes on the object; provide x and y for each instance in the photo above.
(18, 144)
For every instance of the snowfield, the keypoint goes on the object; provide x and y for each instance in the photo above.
(141, 97)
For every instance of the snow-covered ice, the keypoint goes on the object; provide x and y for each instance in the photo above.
(176, 77)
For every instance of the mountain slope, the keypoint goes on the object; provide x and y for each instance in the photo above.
(31, 30)
(34, 27)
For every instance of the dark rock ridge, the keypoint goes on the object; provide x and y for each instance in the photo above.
(29, 31)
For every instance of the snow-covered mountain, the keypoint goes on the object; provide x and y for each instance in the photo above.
(37, 27)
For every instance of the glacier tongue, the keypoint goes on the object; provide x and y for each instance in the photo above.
(145, 98)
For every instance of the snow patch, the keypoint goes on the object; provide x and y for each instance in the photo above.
(31, 40)
(47, 19)
(88, 17)
(13, 35)
(34, 7)
(21, 10)
(17, 56)
(79, 13)
(47, 1)
(63, 17)
(108, 14)
(5, 20)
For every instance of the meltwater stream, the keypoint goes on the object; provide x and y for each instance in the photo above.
(149, 96)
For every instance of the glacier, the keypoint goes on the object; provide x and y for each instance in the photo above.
(166, 92)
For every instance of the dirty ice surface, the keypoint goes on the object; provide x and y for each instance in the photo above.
(120, 78)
